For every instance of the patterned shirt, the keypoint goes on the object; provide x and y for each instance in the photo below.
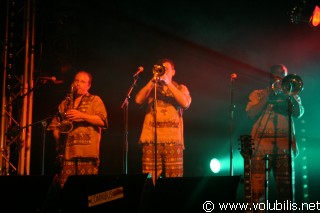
(273, 121)
(169, 118)
(84, 139)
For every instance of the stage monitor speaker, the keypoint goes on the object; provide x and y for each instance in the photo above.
(106, 193)
(25, 193)
(188, 194)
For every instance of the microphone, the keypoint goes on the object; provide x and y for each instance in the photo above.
(52, 78)
(140, 69)
(233, 76)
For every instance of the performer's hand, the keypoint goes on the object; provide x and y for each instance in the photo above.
(74, 114)
(165, 80)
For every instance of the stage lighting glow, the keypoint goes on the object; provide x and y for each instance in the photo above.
(315, 18)
(215, 165)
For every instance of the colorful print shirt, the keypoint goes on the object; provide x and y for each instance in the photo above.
(84, 139)
(169, 118)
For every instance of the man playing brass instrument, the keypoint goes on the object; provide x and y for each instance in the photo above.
(269, 108)
(162, 129)
(87, 115)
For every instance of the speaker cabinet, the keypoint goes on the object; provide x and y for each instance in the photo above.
(106, 193)
(25, 193)
(188, 194)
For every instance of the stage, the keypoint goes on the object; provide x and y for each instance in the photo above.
(116, 193)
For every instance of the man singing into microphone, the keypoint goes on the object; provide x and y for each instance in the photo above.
(163, 123)
(78, 130)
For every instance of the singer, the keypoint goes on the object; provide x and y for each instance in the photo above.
(77, 131)
(163, 125)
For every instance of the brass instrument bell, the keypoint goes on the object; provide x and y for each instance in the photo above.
(158, 70)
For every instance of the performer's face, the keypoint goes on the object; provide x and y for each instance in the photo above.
(170, 71)
(279, 73)
(81, 84)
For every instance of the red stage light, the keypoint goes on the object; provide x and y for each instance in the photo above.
(315, 18)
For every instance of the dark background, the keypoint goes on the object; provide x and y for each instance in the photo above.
(208, 41)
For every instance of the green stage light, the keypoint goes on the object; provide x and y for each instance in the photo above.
(215, 165)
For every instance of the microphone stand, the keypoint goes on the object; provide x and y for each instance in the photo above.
(155, 130)
(44, 128)
(232, 106)
(125, 107)
(290, 143)
(25, 94)
(44, 125)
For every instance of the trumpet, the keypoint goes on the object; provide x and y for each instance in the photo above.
(66, 126)
(291, 85)
(158, 70)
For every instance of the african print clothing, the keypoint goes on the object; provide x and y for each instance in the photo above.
(169, 160)
(270, 134)
(168, 116)
(78, 166)
(169, 134)
(83, 142)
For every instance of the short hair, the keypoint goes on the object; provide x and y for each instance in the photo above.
(164, 60)
(87, 73)
(279, 69)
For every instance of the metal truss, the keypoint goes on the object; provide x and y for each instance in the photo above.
(17, 95)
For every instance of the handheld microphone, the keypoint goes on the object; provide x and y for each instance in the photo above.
(140, 69)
